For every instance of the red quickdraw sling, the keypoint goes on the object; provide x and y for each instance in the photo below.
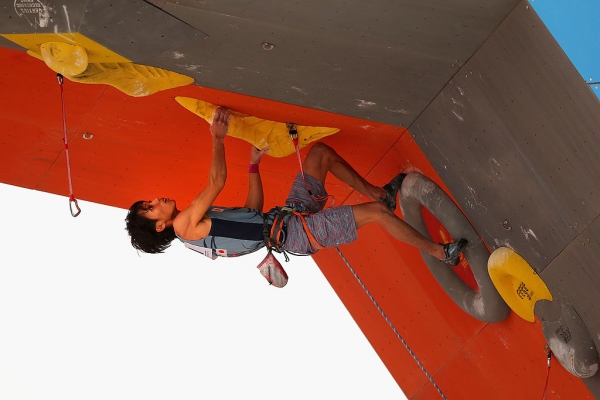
(549, 359)
(293, 131)
(72, 199)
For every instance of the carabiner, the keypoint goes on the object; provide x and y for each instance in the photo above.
(73, 200)
(548, 353)
(60, 79)
(293, 131)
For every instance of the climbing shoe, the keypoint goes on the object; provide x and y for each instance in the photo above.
(452, 251)
(391, 191)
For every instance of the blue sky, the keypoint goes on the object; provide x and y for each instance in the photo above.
(574, 24)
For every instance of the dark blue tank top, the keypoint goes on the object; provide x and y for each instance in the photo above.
(234, 232)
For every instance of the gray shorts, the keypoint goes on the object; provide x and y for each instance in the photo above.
(331, 227)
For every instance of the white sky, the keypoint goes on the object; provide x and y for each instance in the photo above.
(83, 316)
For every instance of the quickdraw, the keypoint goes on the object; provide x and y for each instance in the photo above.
(549, 358)
(293, 131)
(72, 199)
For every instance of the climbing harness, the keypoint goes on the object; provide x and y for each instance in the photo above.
(391, 325)
(72, 199)
(276, 235)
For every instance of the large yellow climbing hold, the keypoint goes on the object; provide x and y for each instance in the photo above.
(259, 132)
(96, 52)
(64, 58)
(82, 60)
(518, 284)
(135, 80)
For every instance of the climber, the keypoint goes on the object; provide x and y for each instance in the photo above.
(307, 227)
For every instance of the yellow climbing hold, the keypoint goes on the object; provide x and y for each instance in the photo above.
(259, 132)
(518, 284)
(66, 59)
(133, 79)
(82, 60)
(96, 53)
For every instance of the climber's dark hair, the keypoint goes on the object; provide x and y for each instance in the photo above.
(143, 232)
